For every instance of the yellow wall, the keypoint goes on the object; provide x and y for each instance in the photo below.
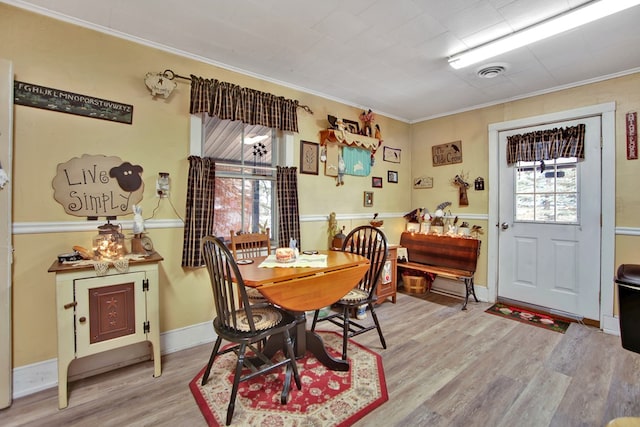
(471, 129)
(51, 53)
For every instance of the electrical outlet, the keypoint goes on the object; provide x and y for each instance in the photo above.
(163, 185)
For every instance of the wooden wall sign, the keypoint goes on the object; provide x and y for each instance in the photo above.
(632, 136)
(96, 185)
(423, 182)
(73, 103)
(447, 154)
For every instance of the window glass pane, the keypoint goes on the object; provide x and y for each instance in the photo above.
(524, 208)
(525, 179)
(258, 207)
(227, 215)
(545, 207)
(242, 205)
(567, 208)
(223, 140)
(566, 180)
(545, 181)
(547, 196)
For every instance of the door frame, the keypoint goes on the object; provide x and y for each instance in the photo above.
(608, 322)
(6, 248)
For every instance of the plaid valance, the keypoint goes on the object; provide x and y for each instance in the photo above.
(232, 102)
(546, 144)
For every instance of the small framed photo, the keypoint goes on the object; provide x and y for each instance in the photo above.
(308, 157)
(392, 176)
(391, 155)
(376, 182)
(351, 126)
(368, 199)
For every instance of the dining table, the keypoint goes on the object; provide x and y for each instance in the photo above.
(299, 288)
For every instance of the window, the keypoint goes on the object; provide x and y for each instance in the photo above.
(549, 195)
(246, 157)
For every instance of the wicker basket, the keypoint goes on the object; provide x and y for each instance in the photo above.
(415, 284)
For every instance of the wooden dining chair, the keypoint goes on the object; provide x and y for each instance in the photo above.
(250, 245)
(371, 243)
(245, 326)
(247, 246)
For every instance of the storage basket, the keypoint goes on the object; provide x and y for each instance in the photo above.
(415, 284)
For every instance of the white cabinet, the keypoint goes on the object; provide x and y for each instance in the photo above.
(101, 313)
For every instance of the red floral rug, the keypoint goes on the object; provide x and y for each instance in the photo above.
(522, 315)
(328, 398)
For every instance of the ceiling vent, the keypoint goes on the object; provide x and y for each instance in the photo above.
(491, 71)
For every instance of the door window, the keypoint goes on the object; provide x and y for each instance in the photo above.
(547, 192)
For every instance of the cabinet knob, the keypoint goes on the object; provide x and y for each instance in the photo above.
(69, 305)
(82, 319)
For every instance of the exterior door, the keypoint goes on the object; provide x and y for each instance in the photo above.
(6, 253)
(549, 228)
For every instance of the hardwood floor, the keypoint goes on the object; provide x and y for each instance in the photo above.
(443, 366)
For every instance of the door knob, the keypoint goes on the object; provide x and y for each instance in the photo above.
(504, 225)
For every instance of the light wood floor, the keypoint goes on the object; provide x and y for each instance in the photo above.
(443, 366)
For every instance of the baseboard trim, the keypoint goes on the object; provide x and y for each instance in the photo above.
(30, 379)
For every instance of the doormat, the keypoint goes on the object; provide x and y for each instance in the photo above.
(531, 317)
(327, 399)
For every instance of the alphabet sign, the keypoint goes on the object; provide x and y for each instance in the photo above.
(96, 185)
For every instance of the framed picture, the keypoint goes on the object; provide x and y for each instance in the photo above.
(308, 157)
(423, 182)
(351, 126)
(391, 155)
(376, 182)
(392, 176)
(368, 199)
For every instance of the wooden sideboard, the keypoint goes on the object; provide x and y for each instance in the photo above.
(388, 284)
(100, 313)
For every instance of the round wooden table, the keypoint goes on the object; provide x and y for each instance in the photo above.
(301, 289)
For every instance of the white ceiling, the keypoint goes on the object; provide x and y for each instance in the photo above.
(386, 55)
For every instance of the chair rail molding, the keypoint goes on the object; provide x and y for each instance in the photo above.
(67, 226)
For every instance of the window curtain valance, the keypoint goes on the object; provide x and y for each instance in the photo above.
(232, 102)
(546, 144)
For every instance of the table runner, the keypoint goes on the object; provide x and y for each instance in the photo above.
(304, 260)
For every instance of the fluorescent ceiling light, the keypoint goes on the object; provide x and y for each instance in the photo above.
(556, 25)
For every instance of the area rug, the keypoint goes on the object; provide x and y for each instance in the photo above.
(530, 317)
(328, 398)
